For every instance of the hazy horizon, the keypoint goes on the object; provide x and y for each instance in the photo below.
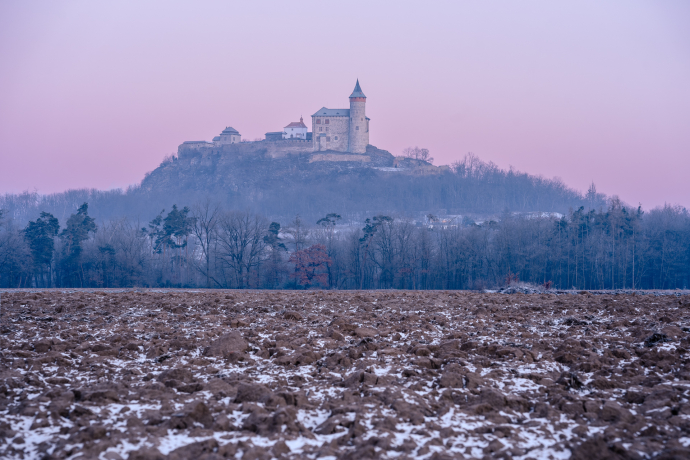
(97, 95)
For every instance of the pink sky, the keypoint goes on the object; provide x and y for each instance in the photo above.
(95, 94)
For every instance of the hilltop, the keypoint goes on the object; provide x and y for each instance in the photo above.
(282, 183)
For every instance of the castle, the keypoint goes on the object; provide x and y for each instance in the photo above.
(342, 130)
(335, 130)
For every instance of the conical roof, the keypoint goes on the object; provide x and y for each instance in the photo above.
(358, 91)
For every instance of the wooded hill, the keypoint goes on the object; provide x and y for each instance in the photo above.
(374, 224)
(281, 188)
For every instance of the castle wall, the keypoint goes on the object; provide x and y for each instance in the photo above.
(274, 136)
(339, 157)
(324, 135)
(193, 146)
(274, 149)
(280, 149)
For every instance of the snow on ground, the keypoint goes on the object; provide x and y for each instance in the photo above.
(228, 374)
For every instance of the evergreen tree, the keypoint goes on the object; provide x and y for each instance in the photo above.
(172, 232)
(40, 236)
(76, 231)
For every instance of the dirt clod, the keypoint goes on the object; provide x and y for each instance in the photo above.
(210, 375)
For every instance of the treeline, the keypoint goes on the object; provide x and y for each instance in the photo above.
(206, 246)
(283, 188)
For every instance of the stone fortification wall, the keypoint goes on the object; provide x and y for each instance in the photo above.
(194, 145)
(274, 136)
(274, 149)
(331, 136)
(339, 157)
(279, 149)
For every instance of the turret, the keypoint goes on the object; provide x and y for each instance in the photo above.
(359, 123)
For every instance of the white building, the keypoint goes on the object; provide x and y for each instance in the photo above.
(295, 130)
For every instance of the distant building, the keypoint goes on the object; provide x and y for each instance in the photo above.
(229, 136)
(195, 145)
(275, 136)
(334, 130)
(295, 130)
(342, 130)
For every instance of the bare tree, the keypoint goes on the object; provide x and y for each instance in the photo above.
(418, 154)
(328, 224)
(300, 233)
(242, 245)
(205, 217)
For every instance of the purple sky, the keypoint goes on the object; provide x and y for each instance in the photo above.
(95, 94)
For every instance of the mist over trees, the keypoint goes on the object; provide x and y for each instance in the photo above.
(208, 245)
(258, 222)
(283, 188)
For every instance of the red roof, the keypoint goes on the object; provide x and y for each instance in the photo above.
(297, 124)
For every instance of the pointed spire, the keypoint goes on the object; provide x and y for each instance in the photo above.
(358, 91)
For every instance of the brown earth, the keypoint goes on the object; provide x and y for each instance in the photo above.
(355, 375)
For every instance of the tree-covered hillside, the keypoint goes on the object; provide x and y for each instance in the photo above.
(285, 187)
(252, 221)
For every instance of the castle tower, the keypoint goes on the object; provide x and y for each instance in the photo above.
(359, 123)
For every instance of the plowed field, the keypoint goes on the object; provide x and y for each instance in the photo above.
(379, 374)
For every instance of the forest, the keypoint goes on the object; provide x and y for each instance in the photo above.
(205, 245)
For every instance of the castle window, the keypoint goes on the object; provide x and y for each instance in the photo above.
(318, 121)
(327, 121)
(328, 139)
(356, 128)
(336, 138)
(326, 128)
(320, 129)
